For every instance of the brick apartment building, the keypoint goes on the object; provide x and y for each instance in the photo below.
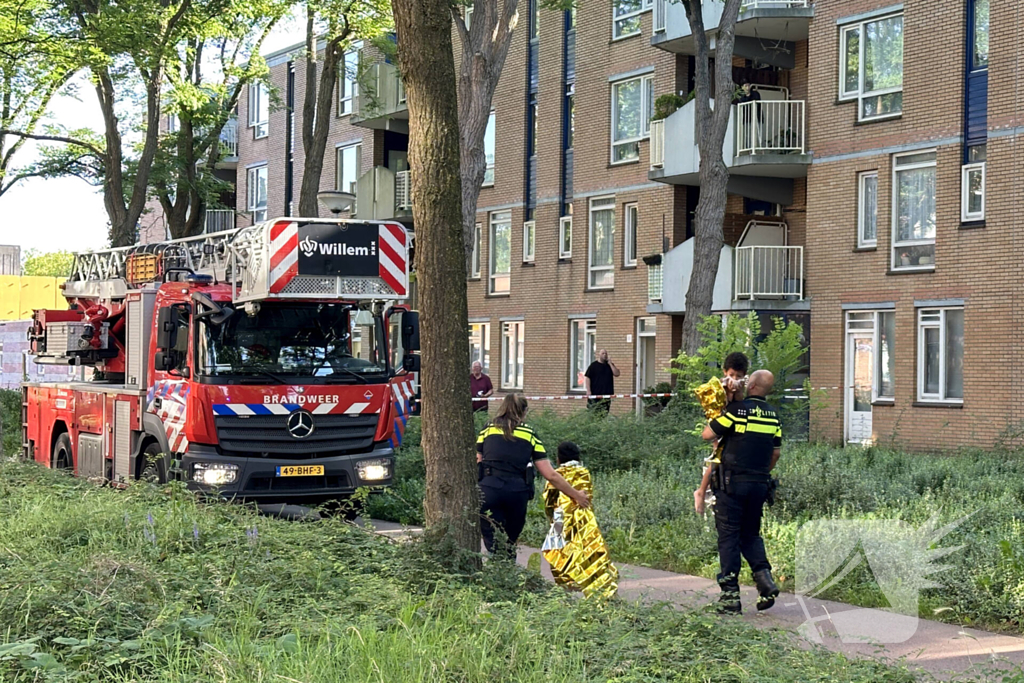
(871, 197)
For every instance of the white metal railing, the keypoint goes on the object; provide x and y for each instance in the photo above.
(403, 190)
(660, 12)
(218, 220)
(381, 92)
(769, 273)
(772, 4)
(657, 143)
(654, 282)
(771, 127)
(229, 138)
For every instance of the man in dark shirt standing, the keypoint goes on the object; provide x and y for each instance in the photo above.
(480, 386)
(600, 381)
(753, 442)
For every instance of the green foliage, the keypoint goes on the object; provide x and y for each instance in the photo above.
(153, 585)
(10, 422)
(667, 104)
(52, 263)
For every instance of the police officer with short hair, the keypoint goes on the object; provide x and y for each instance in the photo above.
(753, 439)
(508, 453)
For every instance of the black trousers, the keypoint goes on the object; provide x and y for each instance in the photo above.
(599, 405)
(738, 519)
(505, 510)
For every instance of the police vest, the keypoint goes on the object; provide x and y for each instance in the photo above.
(752, 431)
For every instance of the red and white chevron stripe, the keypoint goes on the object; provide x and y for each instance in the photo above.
(392, 251)
(284, 255)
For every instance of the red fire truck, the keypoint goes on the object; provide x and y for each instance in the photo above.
(272, 363)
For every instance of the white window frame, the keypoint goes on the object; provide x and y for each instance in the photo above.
(931, 323)
(646, 111)
(966, 215)
(258, 94)
(489, 158)
(474, 262)
(529, 241)
(565, 237)
(606, 203)
(494, 219)
(631, 217)
(348, 84)
(259, 213)
(512, 339)
(862, 217)
(172, 122)
(339, 177)
(645, 6)
(589, 328)
(480, 333)
(859, 95)
(896, 244)
(467, 16)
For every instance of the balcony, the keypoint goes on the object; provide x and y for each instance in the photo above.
(229, 144)
(766, 29)
(380, 101)
(756, 275)
(218, 220)
(383, 194)
(764, 148)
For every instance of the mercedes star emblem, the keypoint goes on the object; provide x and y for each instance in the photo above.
(300, 424)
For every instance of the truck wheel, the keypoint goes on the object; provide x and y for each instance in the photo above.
(62, 453)
(153, 468)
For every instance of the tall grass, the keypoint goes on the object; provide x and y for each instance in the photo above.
(150, 585)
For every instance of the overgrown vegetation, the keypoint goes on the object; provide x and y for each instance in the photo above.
(148, 585)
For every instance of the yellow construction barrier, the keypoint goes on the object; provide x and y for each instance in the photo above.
(22, 294)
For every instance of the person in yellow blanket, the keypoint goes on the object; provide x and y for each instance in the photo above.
(574, 546)
(735, 366)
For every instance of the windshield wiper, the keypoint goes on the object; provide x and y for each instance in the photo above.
(354, 374)
(276, 378)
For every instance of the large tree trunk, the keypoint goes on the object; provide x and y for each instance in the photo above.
(712, 125)
(428, 71)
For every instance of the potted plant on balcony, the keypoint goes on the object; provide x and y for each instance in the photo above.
(669, 104)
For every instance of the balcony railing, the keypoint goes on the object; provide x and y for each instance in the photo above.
(769, 273)
(218, 220)
(658, 143)
(770, 127)
(654, 283)
(229, 139)
(748, 5)
(403, 191)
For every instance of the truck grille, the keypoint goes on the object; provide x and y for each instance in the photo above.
(266, 482)
(256, 435)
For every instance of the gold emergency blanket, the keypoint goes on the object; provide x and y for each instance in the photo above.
(712, 399)
(574, 546)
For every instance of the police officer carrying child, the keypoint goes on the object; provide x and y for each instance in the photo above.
(508, 453)
(753, 439)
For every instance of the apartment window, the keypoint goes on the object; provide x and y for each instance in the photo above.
(512, 355)
(489, 151)
(979, 40)
(570, 106)
(565, 237)
(474, 261)
(480, 345)
(940, 354)
(867, 209)
(602, 242)
(347, 169)
(914, 213)
(871, 68)
(257, 190)
(582, 351)
(259, 110)
(468, 16)
(534, 18)
(501, 251)
(625, 17)
(629, 241)
(347, 82)
(972, 186)
(632, 107)
(529, 240)
(172, 123)
(885, 359)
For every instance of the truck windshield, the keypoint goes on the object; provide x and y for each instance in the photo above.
(330, 341)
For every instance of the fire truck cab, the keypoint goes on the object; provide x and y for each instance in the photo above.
(273, 363)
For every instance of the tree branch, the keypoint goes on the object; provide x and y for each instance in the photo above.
(56, 138)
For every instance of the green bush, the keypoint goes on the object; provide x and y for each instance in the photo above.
(10, 422)
(667, 104)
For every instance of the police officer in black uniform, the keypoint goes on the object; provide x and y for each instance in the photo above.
(753, 439)
(508, 453)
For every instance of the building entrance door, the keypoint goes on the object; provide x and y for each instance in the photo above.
(860, 357)
(646, 364)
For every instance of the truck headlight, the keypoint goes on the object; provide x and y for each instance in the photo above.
(373, 470)
(214, 473)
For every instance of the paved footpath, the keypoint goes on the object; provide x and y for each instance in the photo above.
(938, 648)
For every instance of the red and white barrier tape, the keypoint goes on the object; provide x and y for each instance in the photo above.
(572, 397)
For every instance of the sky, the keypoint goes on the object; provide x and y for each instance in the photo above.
(67, 213)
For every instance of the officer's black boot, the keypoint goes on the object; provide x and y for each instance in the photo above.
(729, 600)
(766, 588)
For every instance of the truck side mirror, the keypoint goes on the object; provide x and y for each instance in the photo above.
(167, 328)
(410, 331)
(411, 362)
(164, 361)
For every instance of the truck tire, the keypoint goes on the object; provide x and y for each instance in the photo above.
(153, 467)
(63, 458)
